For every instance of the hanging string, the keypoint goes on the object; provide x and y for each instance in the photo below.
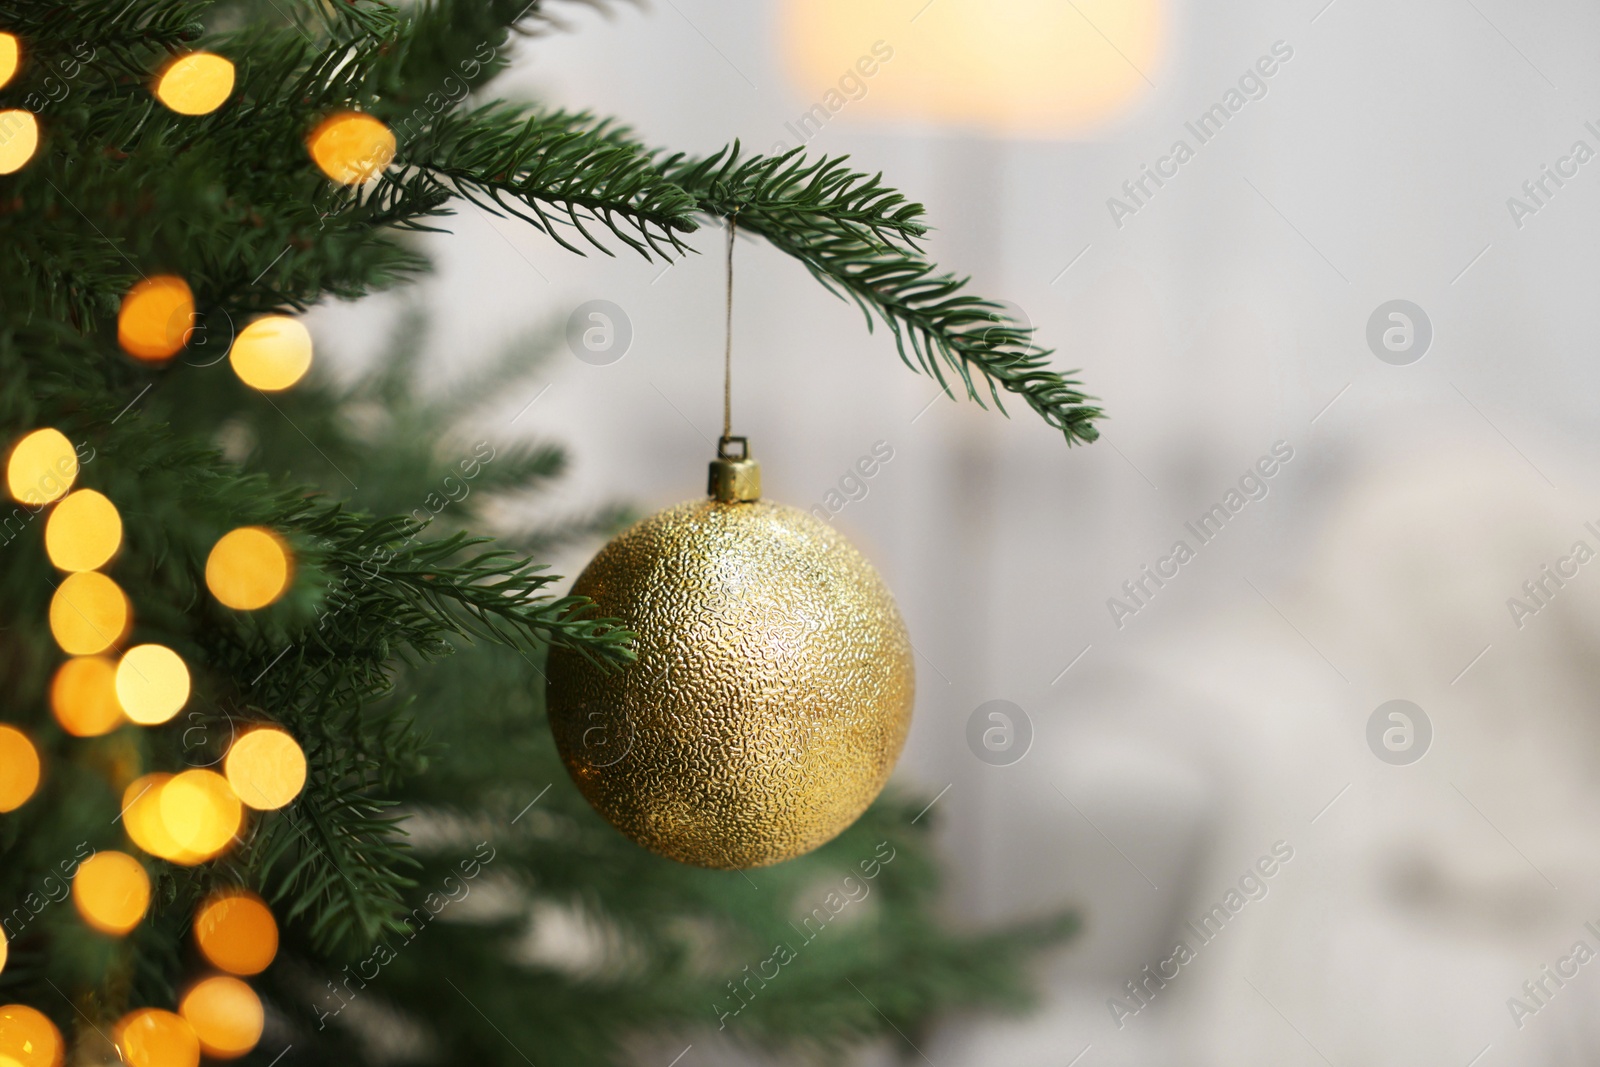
(727, 351)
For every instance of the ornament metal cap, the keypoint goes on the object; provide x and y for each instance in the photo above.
(734, 479)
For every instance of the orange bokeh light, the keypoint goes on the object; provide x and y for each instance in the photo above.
(266, 767)
(156, 319)
(200, 811)
(83, 696)
(351, 148)
(29, 1039)
(111, 891)
(150, 1037)
(41, 468)
(248, 568)
(19, 768)
(196, 84)
(83, 532)
(226, 1015)
(236, 932)
(89, 613)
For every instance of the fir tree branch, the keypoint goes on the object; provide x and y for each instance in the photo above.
(858, 238)
(553, 170)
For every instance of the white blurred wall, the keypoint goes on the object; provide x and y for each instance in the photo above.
(1226, 315)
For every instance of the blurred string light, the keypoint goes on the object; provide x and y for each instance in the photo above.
(271, 353)
(111, 891)
(4, 949)
(266, 768)
(200, 811)
(351, 148)
(19, 768)
(152, 684)
(19, 139)
(1032, 68)
(226, 1016)
(141, 817)
(88, 613)
(150, 1037)
(83, 696)
(248, 568)
(156, 318)
(10, 56)
(28, 1038)
(186, 819)
(195, 84)
(236, 932)
(41, 467)
(83, 532)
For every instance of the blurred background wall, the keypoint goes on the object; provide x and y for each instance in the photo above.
(1180, 750)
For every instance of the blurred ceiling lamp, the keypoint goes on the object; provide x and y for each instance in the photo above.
(1031, 68)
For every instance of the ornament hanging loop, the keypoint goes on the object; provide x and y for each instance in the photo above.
(734, 479)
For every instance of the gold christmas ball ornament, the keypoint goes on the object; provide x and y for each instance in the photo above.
(772, 691)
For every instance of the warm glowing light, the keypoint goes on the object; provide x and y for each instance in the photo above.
(88, 613)
(41, 468)
(1036, 68)
(271, 353)
(4, 950)
(150, 1037)
(152, 684)
(266, 768)
(19, 768)
(141, 816)
(200, 811)
(83, 532)
(19, 139)
(156, 318)
(195, 84)
(226, 1015)
(111, 892)
(237, 932)
(83, 696)
(28, 1038)
(350, 147)
(10, 56)
(248, 568)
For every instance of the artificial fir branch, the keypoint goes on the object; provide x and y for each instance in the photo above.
(858, 238)
(554, 169)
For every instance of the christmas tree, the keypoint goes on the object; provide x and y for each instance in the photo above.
(275, 779)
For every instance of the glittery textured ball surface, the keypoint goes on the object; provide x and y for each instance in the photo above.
(771, 696)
